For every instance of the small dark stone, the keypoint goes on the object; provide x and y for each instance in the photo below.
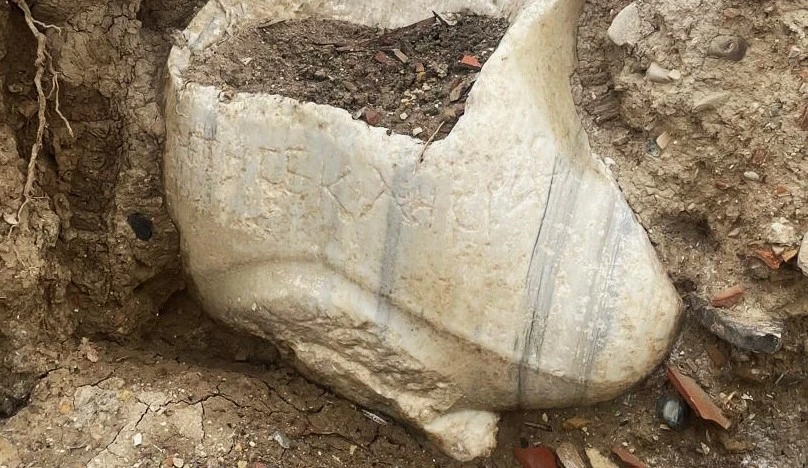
(672, 411)
(141, 226)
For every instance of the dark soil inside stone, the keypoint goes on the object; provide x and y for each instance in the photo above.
(412, 80)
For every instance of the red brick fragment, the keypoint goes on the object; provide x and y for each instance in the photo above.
(470, 62)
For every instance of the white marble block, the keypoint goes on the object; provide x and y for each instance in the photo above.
(505, 271)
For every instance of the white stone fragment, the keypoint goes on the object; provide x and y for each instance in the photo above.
(802, 258)
(626, 27)
(505, 270)
(657, 74)
(751, 175)
(597, 459)
(781, 232)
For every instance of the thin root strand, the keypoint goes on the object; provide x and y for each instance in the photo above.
(43, 61)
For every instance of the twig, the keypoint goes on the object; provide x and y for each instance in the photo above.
(429, 142)
(329, 43)
(544, 427)
(396, 33)
(386, 38)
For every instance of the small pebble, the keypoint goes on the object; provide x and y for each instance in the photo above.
(673, 411)
(417, 131)
(321, 74)
(137, 439)
(711, 101)
(178, 462)
(705, 449)
(751, 175)
(282, 439)
(241, 464)
(403, 116)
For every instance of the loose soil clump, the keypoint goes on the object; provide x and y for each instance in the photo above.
(412, 80)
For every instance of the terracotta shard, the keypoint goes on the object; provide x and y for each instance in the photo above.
(771, 259)
(574, 423)
(697, 398)
(728, 297)
(628, 458)
(759, 157)
(381, 57)
(717, 356)
(721, 185)
(535, 457)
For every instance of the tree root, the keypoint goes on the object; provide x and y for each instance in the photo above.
(43, 63)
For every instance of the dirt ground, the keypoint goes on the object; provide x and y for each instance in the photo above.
(211, 397)
(159, 384)
(408, 80)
